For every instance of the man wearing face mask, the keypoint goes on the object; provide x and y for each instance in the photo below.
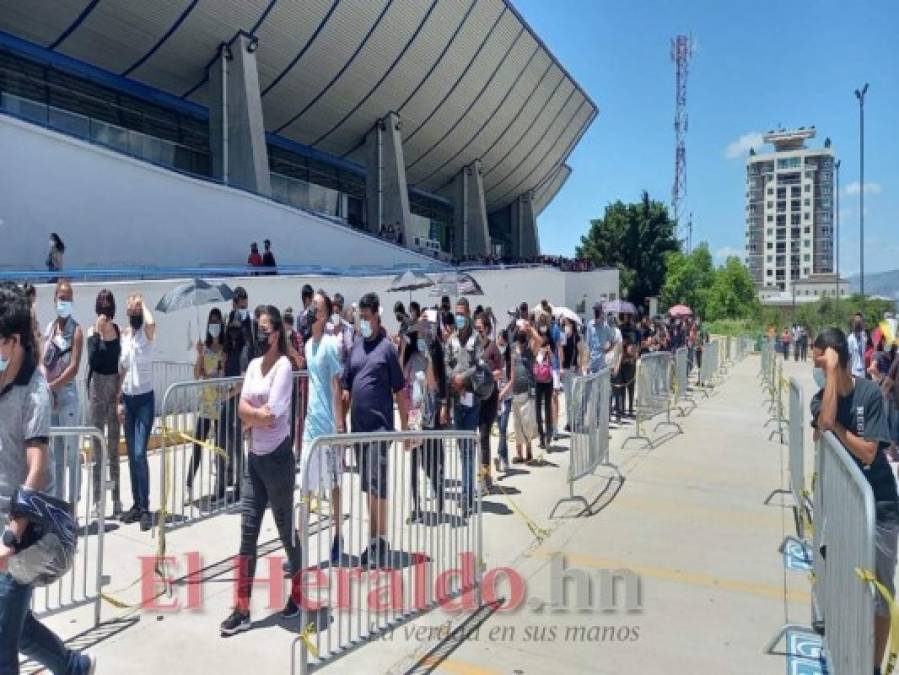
(25, 409)
(857, 342)
(853, 409)
(599, 339)
(63, 343)
(372, 379)
(463, 351)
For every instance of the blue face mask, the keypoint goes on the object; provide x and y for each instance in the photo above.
(820, 377)
(3, 364)
(460, 321)
(215, 329)
(365, 328)
(243, 314)
(64, 308)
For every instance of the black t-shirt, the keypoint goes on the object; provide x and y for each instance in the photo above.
(569, 350)
(862, 412)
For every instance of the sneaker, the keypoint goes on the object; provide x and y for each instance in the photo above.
(235, 623)
(285, 567)
(146, 521)
(376, 555)
(117, 508)
(503, 466)
(291, 609)
(132, 515)
(337, 549)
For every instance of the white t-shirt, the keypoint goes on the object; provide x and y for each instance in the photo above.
(136, 360)
(614, 354)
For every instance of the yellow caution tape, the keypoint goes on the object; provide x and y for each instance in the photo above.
(539, 533)
(868, 577)
(170, 435)
(808, 526)
(306, 638)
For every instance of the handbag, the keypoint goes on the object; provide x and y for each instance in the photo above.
(543, 371)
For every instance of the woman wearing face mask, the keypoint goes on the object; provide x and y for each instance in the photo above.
(501, 463)
(569, 367)
(210, 363)
(137, 404)
(488, 410)
(63, 342)
(237, 348)
(527, 342)
(265, 410)
(104, 347)
(420, 392)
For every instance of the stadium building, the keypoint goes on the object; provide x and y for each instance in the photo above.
(176, 132)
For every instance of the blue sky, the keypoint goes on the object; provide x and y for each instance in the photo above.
(757, 65)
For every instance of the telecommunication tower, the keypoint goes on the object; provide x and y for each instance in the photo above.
(681, 52)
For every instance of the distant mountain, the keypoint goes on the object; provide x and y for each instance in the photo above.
(881, 283)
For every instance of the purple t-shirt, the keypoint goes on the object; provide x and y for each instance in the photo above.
(372, 375)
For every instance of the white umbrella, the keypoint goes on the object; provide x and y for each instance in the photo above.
(565, 313)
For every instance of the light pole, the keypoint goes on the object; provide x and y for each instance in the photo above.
(836, 236)
(860, 95)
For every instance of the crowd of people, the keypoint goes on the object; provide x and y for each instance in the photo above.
(561, 262)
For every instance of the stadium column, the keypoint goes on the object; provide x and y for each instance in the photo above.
(386, 193)
(236, 129)
(525, 243)
(470, 213)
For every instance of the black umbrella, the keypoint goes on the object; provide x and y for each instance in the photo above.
(194, 293)
(409, 280)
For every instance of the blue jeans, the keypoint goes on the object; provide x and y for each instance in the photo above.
(466, 419)
(139, 411)
(21, 632)
(65, 452)
(505, 412)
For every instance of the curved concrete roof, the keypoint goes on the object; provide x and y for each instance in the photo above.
(469, 78)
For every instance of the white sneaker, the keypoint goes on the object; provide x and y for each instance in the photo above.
(503, 466)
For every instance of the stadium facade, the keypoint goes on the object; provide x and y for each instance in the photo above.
(448, 122)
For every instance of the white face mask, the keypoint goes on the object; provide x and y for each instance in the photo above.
(215, 329)
(502, 349)
(335, 319)
(242, 314)
(365, 328)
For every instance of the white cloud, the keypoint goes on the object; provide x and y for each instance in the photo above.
(740, 147)
(725, 252)
(870, 188)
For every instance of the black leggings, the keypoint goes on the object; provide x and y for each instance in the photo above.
(624, 384)
(430, 458)
(545, 395)
(486, 418)
(229, 437)
(201, 434)
(269, 482)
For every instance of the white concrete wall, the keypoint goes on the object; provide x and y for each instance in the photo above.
(113, 210)
(503, 290)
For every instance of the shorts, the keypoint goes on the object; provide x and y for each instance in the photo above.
(324, 469)
(886, 533)
(371, 458)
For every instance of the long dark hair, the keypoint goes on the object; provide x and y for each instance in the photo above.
(105, 304)
(59, 245)
(215, 313)
(274, 316)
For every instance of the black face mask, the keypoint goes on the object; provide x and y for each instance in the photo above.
(136, 321)
(310, 316)
(262, 342)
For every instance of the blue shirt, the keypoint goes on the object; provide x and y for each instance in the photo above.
(373, 375)
(322, 364)
(598, 336)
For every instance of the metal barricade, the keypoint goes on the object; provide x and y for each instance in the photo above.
(589, 423)
(202, 445)
(682, 393)
(81, 585)
(708, 370)
(776, 403)
(654, 394)
(845, 516)
(801, 506)
(432, 520)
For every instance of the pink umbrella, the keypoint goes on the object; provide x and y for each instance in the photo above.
(680, 310)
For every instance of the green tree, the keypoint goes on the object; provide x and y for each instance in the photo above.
(826, 312)
(688, 278)
(732, 295)
(635, 238)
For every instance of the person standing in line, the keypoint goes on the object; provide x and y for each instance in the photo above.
(543, 386)
(209, 363)
(785, 338)
(487, 412)
(463, 352)
(853, 409)
(600, 339)
(857, 343)
(25, 410)
(55, 255)
(569, 364)
(627, 372)
(803, 343)
(104, 348)
(63, 344)
(137, 404)
(527, 342)
(372, 379)
(239, 350)
(265, 411)
(504, 395)
(325, 414)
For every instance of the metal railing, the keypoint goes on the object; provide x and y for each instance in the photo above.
(654, 395)
(682, 393)
(81, 585)
(434, 533)
(588, 417)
